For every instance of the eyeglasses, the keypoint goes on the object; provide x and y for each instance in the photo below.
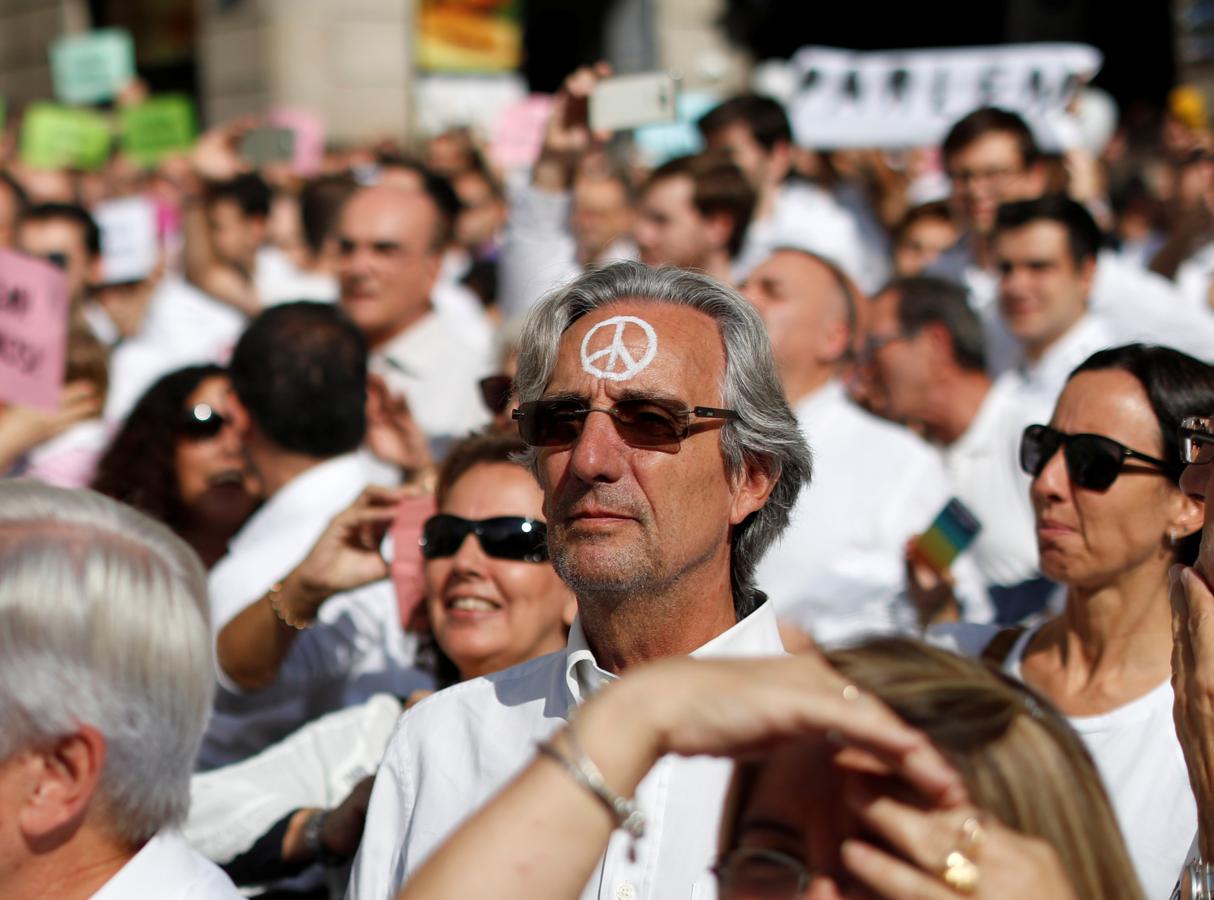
(641, 422)
(1093, 461)
(1196, 436)
(755, 873)
(201, 422)
(504, 537)
(495, 392)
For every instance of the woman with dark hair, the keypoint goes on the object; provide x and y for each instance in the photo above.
(177, 458)
(1111, 521)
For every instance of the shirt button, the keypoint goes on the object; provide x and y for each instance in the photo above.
(625, 892)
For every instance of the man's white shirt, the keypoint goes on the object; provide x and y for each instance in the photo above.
(453, 751)
(839, 570)
(167, 868)
(355, 649)
(437, 371)
(983, 468)
(808, 218)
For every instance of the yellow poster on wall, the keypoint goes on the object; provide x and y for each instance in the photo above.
(469, 35)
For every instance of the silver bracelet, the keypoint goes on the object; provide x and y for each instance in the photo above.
(1197, 881)
(623, 809)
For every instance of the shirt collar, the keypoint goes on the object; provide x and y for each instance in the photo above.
(755, 635)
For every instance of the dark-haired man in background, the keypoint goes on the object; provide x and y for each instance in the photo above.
(754, 132)
(286, 656)
(991, 158)
(926, 355)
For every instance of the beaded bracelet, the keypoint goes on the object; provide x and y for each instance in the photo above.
(623, 809)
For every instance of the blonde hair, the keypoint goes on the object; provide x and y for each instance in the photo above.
(1020, 760)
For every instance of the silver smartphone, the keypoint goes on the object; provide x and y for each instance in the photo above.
(629, 101)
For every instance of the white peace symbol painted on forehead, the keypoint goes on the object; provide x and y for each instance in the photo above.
(615, 362)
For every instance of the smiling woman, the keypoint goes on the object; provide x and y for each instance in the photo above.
(492, 596)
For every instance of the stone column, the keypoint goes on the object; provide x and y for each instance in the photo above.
(349, 62)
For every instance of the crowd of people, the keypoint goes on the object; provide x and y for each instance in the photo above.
(420, 529)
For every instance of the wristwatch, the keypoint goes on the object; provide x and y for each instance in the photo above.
(312, 842)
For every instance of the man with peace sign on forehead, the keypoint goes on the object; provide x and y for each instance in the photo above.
(669, 461)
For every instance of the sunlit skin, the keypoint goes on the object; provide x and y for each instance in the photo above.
(796, 807)
(600, 216)
(1089, 538)
(489, 613)
(234, 235)
(216, 488)
(1042, 290)
(203, 464)
(641, 534)
(387, 264)
(901, 363)
(800, 302)
(985, 173)
(921, 245)
(671, 232)
(64, 239)
(1198, 482)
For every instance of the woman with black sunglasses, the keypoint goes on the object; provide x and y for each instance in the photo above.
(177, 458)
(1111, 521)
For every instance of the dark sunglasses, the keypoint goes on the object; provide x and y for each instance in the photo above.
(1093, 461)
(495, 392)
(505, 537)
(1196, 436)
(201, 422)
(641, 422)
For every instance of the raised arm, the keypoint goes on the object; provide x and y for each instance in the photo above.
(252, 646)
(543, 835)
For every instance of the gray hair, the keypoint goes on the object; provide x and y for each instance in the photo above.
(104, 621)
(766, 435)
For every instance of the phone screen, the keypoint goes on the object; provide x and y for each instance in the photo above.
(950, 533)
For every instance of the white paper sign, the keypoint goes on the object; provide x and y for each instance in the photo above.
(129, 250)
(910, 98)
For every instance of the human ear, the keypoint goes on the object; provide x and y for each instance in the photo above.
(63, 781)
(1188, 518)
(752, 486)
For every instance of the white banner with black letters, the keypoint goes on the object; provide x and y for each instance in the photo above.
(910, 98)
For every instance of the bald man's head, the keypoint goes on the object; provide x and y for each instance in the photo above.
(810, 312)
(390, 243)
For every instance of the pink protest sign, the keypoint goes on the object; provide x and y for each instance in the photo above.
(309, 137)
(518, 132)
(33, 331)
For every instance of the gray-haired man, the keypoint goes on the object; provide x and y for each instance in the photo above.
(105, 687)
(669, 461)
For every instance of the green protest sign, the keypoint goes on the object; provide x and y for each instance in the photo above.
(158, 127)
(54, 137)
(92, 67)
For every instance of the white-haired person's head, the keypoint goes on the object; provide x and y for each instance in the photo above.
(106, 674)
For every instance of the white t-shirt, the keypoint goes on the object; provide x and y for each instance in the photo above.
(454, 750)
(1139, 758)
(167, 868)
(278, 280)
(839, 569)
(355, 649)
